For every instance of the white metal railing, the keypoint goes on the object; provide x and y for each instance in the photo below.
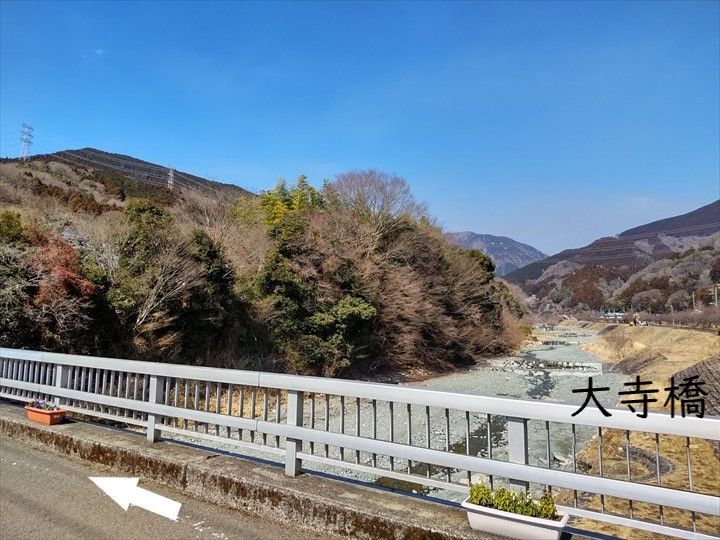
(437, 439)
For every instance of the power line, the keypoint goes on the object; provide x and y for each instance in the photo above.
(627, 242)
(8, 147)
(83, 162)
(154, 179)
(145, 171)
(664, 231)
(170, 177)
(200, 185)
(586, 255)
(101, 161)
(189, 183)
(582, 259)
(630, 243)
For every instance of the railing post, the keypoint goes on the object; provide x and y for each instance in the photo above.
(61, 379)
(293, 465)
(155, 395)
(518, 446)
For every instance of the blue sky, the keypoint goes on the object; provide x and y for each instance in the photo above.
(553, 123)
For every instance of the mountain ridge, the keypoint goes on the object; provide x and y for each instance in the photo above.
(135, 168)
(507, 253)
(658, 267)
(622, 249)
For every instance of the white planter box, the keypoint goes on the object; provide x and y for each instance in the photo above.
(503, 523)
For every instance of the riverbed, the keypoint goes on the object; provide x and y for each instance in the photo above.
(547, 370)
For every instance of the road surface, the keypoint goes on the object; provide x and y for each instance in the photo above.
(45, 495)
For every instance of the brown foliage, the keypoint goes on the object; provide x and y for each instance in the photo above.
(76, 200)
(56, 258)
(661, 283)
(436, 306)
(582, 284)
(246, 241)
(51, 298)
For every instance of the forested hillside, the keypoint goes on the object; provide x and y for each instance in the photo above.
(352, 279)
(663, 267)
(634, 248)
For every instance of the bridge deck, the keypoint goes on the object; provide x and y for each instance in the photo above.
(45, 495)
(311, 501)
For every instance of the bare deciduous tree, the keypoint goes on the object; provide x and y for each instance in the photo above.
(245, 240)
(57, 314)
(60, 315)
(203, 211)
(16, 277)
(101, 240)
(174, 275)
(377, 198)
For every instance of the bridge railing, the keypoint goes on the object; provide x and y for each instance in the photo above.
(632, 471)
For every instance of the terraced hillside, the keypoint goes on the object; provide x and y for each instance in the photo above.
(656, 267)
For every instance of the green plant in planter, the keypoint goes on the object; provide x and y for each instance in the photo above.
(546, 506)
(481, 495)
(514, 502)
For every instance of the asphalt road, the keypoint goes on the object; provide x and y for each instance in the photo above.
(45, 496)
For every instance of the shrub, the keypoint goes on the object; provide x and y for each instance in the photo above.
(359, 281)
(486, 263)
(513, 501)
(11, 229)
(125, 187)
(76, 200)
(715, 270)
(481, 495)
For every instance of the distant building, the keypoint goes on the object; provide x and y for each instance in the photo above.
(613, 316)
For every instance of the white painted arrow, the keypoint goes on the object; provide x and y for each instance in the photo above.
(125, 492)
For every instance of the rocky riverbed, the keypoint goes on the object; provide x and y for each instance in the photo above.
(547, 370)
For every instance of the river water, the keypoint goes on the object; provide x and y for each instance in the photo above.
(549, 370)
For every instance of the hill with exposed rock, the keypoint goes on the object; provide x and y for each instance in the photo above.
(656, 267)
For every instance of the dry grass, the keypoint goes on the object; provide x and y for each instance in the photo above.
(704, 463)
(656, 354)
(661, 351)
(247, 401)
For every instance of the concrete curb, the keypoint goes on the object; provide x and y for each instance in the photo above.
(309, 501)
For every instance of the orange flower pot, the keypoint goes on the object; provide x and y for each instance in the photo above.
(43, 416)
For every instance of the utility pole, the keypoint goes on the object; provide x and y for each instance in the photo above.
(171, 177)
(26, 136)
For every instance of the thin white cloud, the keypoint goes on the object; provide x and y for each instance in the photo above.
(99, 53)
(641, 202)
